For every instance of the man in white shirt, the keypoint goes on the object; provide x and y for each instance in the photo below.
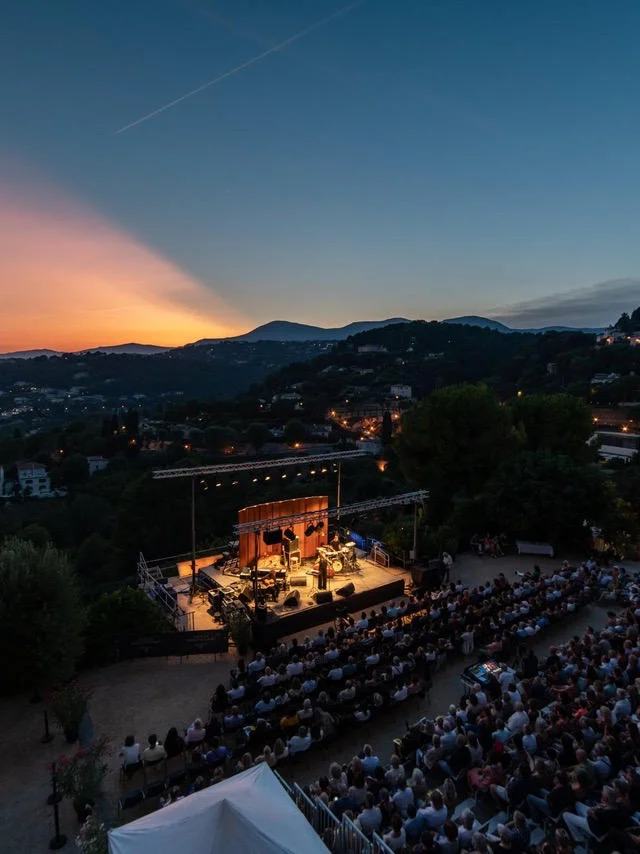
(402, 798)
(266, 704)
(370, 819)
(236, 693)
(480, 695)
(369, 761)
(295, 667)
(363, 622)
(300, 742)
(335, 674)
(267, 679)
(258, 664)
(436, 813)
(155, 751)
(519, 719)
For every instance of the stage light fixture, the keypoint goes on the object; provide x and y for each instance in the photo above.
(299, 474)
(235, 483)
(310, 530)
(268, 477)
(290, 534)
(324, 471)
(254, 480)
(283, 476)
(320, 526)
(218, 483)
(313, 471)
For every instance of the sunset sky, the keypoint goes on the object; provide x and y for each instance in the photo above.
(417, 158)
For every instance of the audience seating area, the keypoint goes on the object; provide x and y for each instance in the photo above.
(481, 777)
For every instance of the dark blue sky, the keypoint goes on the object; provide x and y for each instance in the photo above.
(422, 158)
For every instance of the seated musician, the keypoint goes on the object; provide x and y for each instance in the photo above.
(335, 543)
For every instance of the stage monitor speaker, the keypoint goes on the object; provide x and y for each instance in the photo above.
(291, 545)
(298, 581)
(424, 576)
(292, 600)
(348, 590)
(272, 538)
(323, 597)
(246, 595)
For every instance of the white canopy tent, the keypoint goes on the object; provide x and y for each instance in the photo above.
(248, 813)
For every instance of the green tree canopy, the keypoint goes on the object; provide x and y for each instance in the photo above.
(549, 497)
(453, 441)
(41, 618)
(126, 612)
(258, 435)
(294, 431)
(558, 423)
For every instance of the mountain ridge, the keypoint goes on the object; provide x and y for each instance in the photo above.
(291, 331)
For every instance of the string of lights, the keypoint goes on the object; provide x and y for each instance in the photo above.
(315, 516)
(233, 468)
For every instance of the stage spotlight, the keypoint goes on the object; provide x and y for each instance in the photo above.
(254, 480)
(218, 483)
(299, 474)
(320, 526)
(268, 477)
(310, 530)
(283, 476)
(313, 471)
(324, 471)
(290, 534)
(235, 483)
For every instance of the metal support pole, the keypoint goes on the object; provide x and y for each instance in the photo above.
(59, 840)
(47, 737)
(415, 530)
(193, 539)
(339, 494)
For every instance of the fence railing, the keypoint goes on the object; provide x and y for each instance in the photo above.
(379, 846)
(341, 837)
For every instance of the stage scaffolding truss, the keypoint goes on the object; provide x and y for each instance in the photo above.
(314, 517)
(234, 468)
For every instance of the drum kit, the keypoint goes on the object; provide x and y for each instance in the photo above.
(344, 560)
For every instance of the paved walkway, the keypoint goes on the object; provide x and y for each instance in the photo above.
(150, 695)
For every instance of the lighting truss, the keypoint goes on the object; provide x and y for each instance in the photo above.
(231, 468)
(315, 516)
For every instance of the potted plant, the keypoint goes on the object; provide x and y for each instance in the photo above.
(80, 776)
(68, 704)
(92, 837)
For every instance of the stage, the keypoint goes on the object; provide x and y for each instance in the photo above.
(373, 585)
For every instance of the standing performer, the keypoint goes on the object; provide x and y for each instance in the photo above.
(323, 566)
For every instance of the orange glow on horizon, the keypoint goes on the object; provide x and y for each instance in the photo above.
(72, 280)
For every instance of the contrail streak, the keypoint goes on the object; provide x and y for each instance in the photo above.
(345, 10)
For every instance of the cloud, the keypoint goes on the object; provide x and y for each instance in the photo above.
(596, 305)
(71, 279)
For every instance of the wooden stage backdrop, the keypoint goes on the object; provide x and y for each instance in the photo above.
(261, 513)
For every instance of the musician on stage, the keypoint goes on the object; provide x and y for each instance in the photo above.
(335, 543)
(323, 566)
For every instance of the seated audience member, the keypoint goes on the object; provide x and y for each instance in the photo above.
(195, 733)
(173, 743)
(396, 838)
(300, 742)
(130, 755)
(155, 752)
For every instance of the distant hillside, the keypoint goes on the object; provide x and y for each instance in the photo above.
(118, 349)
(131, 349)
(285, 330)
(28, 354)
(483, 322)
(487, 323)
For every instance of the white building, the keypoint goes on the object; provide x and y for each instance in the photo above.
(372, 348)
(400, 390)
(604, 379)
(34, 480)
(97, 464)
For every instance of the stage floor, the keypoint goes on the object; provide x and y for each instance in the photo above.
(370, 577)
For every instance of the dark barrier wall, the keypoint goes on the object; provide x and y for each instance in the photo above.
(266, 634)
(179, 644)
